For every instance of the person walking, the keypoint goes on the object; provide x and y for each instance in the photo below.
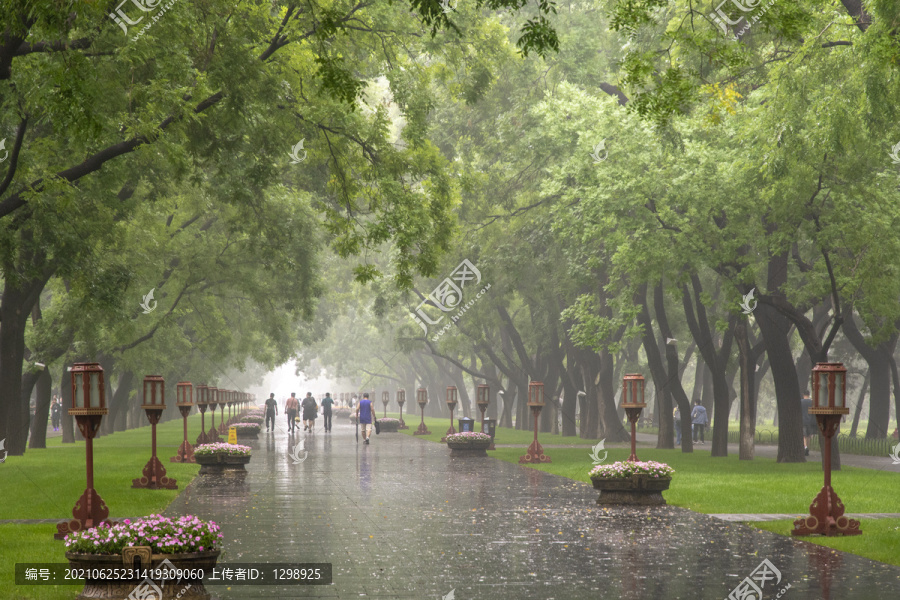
(291, 408)
(809, 421)
(310, 410)
(364, 417)
(326, 411)
(54, 413)
(699, 421)
(677, 416)
(271, 411)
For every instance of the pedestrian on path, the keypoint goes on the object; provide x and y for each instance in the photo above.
(271, 412)
(326, 411)
(364, 417)
(699, 421)
(310, 411)
(677, 416)
(291, 408)
(54, 413)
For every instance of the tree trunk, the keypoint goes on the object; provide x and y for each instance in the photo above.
(774, 328)
(44, 388)
(68, 424)
(879, 361)
(747, 440)
(859, 404)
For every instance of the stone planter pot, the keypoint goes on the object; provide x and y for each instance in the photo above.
(389, 427)
(637, 489)
(161, 589)
(468, 449)
(222, 464)
(247, 435)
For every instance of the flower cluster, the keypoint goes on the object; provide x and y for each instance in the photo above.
(342, 410)
(468, 437)
(162, 534)
(389, 421)
(625, 469)
(252, 419)
(254, 427)
(222, 448)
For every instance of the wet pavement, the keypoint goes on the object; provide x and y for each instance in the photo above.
(400, 519)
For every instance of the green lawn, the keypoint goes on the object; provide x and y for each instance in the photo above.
(45, 483)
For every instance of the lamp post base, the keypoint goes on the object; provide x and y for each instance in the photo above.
(212, 437)
(185, 453)
(826, 517)
(534, 454)
(90, 510)
(154, 477)
(422, 430)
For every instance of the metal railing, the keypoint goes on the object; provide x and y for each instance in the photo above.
(848, 445)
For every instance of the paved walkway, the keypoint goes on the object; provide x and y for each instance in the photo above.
(400, 519)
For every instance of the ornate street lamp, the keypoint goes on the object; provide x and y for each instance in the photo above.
(184, 395)
(154, 477)
(385, 398)
(451, 404)
(401, 400)
(829, 396)
(212, 436)
(422, 400)
(633, 403)
(202, 404)
(88, 408)
(223, 400)
(535, 452)
(483, 399)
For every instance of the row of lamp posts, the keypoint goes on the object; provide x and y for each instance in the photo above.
(88, 408)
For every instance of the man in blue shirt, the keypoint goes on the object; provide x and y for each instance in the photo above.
(364, 415)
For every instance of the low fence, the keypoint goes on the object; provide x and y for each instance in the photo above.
(847, 444)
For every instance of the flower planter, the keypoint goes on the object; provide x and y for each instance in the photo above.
(247, 434)
(389, 425)
(122, 589)
(468, 449)
(638, 489)
(221, 464)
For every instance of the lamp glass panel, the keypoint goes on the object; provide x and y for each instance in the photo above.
(822, 400)
(839, 390)
(95, 389)
(79, 390)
